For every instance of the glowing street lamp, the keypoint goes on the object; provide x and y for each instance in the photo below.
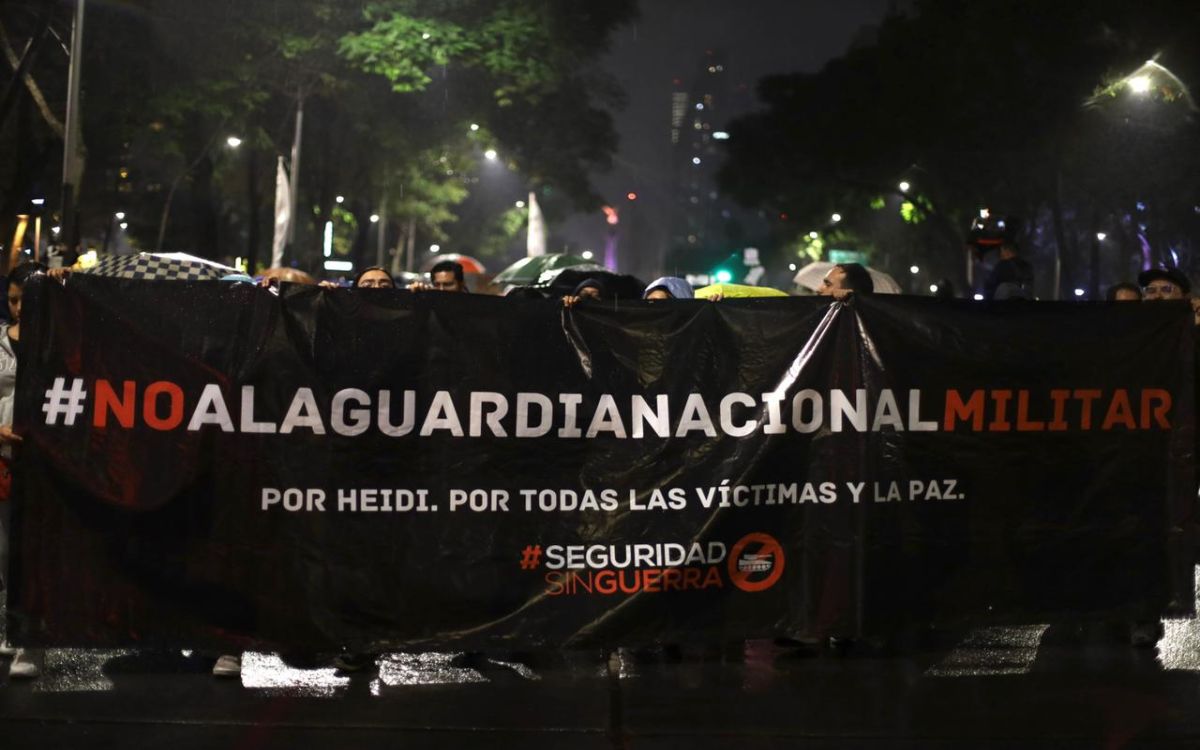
(490, 154)
(1140, 84)
(233, 141)
(904, 186)
(835, 218)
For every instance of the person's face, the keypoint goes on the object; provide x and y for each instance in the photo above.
(14, 303)
(375, 280)
(658, 294)
(1127, 295)
(832, 282)
(1162, 289)
(590, 292)
(444, 281)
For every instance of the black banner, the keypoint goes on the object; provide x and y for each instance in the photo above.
(212, 464)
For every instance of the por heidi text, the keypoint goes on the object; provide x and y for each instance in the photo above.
(396, 500)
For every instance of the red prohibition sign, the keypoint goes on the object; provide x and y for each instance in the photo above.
(768, 559)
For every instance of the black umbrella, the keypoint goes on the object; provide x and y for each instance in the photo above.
(619, 285)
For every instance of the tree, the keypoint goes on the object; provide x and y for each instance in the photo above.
(974, 106)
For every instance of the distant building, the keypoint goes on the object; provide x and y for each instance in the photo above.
(703, 224)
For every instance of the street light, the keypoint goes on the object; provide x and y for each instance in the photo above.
(835, 218)
(1078, 292)
(1140, 84)
(914, 269)
(374, 218)
(120, 215)
(124, 225)
(233, 141)
(435, 248)
(520, 204)
(490, 154)
(1101, 236)
(904, 186)
(587, 255)
(340, 199)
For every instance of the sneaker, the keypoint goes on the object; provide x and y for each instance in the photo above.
(348, 662)
(1145, 634)
(26, 664)
(228, 665)
(7, 650)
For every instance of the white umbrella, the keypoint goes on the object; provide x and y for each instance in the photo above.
(811, 275)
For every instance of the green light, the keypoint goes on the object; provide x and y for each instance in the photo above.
(723, 276)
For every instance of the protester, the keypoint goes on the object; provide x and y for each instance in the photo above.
(668, 287)
(374, 277)
(1126, 291)
(26, 663)
(446, 276)
(1164, 283)
(846, 278)
(590, 289)
(1012, 270)
(1159, 284)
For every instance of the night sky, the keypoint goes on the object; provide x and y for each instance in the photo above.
(757, 37)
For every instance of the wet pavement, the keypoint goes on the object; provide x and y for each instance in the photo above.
(1035, 686)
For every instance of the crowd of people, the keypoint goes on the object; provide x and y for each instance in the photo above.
(1011, 279)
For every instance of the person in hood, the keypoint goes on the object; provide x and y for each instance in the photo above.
(668, 287)
(592, 290)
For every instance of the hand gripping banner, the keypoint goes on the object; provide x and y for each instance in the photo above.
(208, 464)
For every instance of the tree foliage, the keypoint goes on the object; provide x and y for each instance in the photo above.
(390, 90)
(1021, 107)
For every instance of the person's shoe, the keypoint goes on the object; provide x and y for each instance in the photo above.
(348, 662)
(1145, 634)
(26, 664)
(228, 665)
(7, 650)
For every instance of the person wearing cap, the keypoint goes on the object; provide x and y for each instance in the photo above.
(668, 287)
(1164, 283)
(1167, 283)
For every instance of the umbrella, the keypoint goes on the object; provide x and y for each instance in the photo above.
(469, 264)
(169, 266)
(619, 285)
(527, 271)
(811, 275)
(732, 291)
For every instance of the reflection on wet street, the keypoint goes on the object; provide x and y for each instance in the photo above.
(1078, 680)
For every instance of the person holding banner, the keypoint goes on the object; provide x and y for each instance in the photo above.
(446, 276)
(846, 278)
(26, 663)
